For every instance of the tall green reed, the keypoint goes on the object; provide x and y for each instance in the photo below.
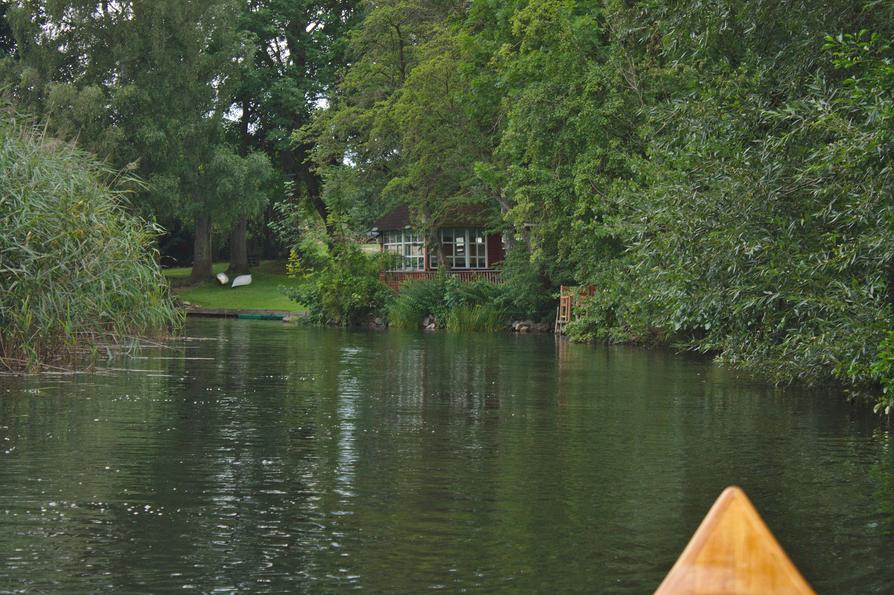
(77, 269)
(481, 318)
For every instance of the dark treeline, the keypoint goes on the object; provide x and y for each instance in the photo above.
(719, 170)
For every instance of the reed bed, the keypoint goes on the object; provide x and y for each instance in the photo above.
(482, 318)
(454, 305)
(78, 271)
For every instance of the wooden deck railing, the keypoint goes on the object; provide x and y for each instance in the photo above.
(394, 278)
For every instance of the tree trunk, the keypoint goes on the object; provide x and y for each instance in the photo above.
(443, 265)
(508, 235)
(891, 283)
(201, 258)
(294, 162)
(239, 248)
(401, 57)
(442, 258)
(239, 233)
(271, 245)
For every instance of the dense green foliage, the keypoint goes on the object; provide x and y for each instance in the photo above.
(77, 270)
(298, 47)
(720, 171)
(524, 294)
(417, 300)
(475, 306)
(758, 225)
(480, 318)
(344, 290)
(451, 304)
(198, 98)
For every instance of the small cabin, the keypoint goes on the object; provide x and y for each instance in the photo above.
(470, 251)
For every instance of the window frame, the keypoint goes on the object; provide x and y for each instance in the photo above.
(478, 261)
(407, 244)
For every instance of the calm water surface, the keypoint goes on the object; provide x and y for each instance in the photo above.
(261, 457)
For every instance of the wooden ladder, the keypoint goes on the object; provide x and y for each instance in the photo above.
(563, 311)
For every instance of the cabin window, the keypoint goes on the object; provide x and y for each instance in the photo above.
(464, 248)
(407, 244)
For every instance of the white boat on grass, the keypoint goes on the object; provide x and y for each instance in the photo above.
(241, 280)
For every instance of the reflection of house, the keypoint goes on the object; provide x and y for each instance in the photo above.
(470, 252)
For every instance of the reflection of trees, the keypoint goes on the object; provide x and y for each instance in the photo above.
(622, 449)
(235, 466)
(258, 518)
(320, 459)
(883, 474)
(75, 448)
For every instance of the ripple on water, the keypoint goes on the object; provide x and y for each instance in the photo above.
(283, 459)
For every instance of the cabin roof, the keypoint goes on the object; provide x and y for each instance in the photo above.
(397, 218)
(462, 215)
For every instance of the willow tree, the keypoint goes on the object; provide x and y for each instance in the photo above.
(147, 85)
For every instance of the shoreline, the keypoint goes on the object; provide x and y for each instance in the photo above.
(247, 314)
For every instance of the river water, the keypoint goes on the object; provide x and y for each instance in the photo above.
(255, 456)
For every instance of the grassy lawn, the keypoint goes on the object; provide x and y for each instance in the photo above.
(262, 294)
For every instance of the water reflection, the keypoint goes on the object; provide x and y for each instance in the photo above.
(264, 457)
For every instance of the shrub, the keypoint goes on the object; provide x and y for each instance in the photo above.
(883, 371)
(345, 289)
(453, 304)
(523, 293)
(308, 255)
(417, 300)
(76, 268)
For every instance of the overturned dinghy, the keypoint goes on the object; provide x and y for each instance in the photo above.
(222, 278)
(733, 551)
(241, 280)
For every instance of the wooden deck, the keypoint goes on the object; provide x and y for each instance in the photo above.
(733, 551)
(395, 278)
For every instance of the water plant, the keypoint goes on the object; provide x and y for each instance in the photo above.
(418, 299)
(479, 318)
(454, 305)
(78, 270)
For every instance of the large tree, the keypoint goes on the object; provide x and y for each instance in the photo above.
(719, 170)
(148, 85)
(357, 140)
(299, 50)
(7, 41)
